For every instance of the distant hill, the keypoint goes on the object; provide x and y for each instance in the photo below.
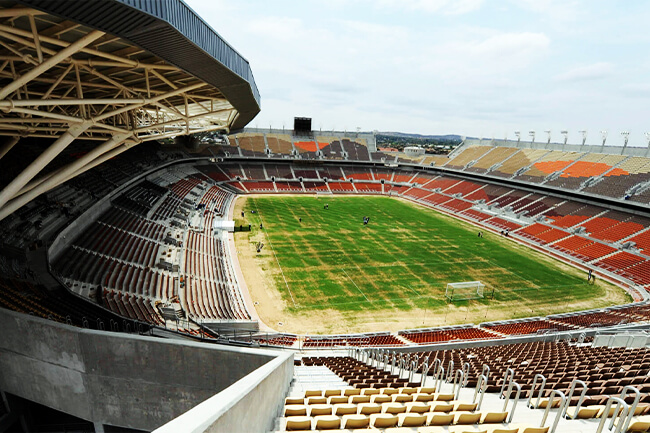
(420, 136)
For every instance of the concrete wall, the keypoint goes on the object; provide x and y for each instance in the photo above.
(115, 379)
(249, 405)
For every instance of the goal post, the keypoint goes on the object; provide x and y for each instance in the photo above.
(465, 290)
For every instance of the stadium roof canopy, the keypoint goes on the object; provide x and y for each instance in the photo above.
(116, 71)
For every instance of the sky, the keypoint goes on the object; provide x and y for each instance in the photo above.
(481, 68)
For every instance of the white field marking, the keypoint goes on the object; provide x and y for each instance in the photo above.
(274, 255)
(355, 285)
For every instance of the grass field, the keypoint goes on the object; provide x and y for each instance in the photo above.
(397, 266)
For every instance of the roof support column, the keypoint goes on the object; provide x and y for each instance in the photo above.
(101, 153)
(43, 159)
(8, 144)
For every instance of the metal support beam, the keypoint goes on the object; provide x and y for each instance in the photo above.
(43, 159)
(98, 155)
(51, 62)
(7, 145)
(63, 172)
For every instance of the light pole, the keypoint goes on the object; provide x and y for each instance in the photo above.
(584, 137)
(647, 138)
(548, 137)
(518, 135)
(626, 137)
(566, 135)
(532, 136)
(603, 134)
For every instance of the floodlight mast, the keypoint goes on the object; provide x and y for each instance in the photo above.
(603, 134)
(584, 136)
(647, 138)
(532, 135)
(566, 135)
(518, 135)
(626, 137)
(548, 138)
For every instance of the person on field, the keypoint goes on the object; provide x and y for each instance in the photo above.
(300, 219)
(589, 275)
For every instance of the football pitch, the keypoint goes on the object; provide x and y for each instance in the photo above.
(401, 261)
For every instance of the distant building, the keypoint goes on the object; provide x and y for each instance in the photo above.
(414, 150)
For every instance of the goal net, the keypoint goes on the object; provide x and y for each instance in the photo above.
(465, 290)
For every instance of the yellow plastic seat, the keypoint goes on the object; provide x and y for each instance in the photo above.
(351, 391)
(417, 407)
(393, 408)
(493, 417)
(501, 429)
(316, 400)
(368, 408)
(585, 412)
(355, 421)
(601, 410)
(344, 409)
(526, 428)
(380, 398)
(369, 391)
(411, 420)
(313, 393)
(358, 399)
(408, 390)
(440, 418)
(327, 422)
(443, 397)
(298, 423)
(423, 397)
(294, 400)
(320, 409)
(639, 424)
(466, 417)
(383, 420)
(402, 398)
(389, 391)
(337, 399)
(440, 407)
(426, 389)
(543, 402)
(332, 392)
(295, 410)
(461, 406)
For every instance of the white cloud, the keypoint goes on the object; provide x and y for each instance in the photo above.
(595, 71)
(446, 7)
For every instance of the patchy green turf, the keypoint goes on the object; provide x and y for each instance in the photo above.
(403, 259)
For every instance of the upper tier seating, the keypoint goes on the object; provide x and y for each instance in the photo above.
(517, 162)
(615, 183)
(591, 165)
(550, 163)
(490, 159)
(468, 155)
(279, 144)
(251, 144)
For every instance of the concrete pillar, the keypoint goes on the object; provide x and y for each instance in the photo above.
(99, 427)
(43, 159)
(7, 145)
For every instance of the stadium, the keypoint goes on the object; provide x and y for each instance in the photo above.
(166, 267)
